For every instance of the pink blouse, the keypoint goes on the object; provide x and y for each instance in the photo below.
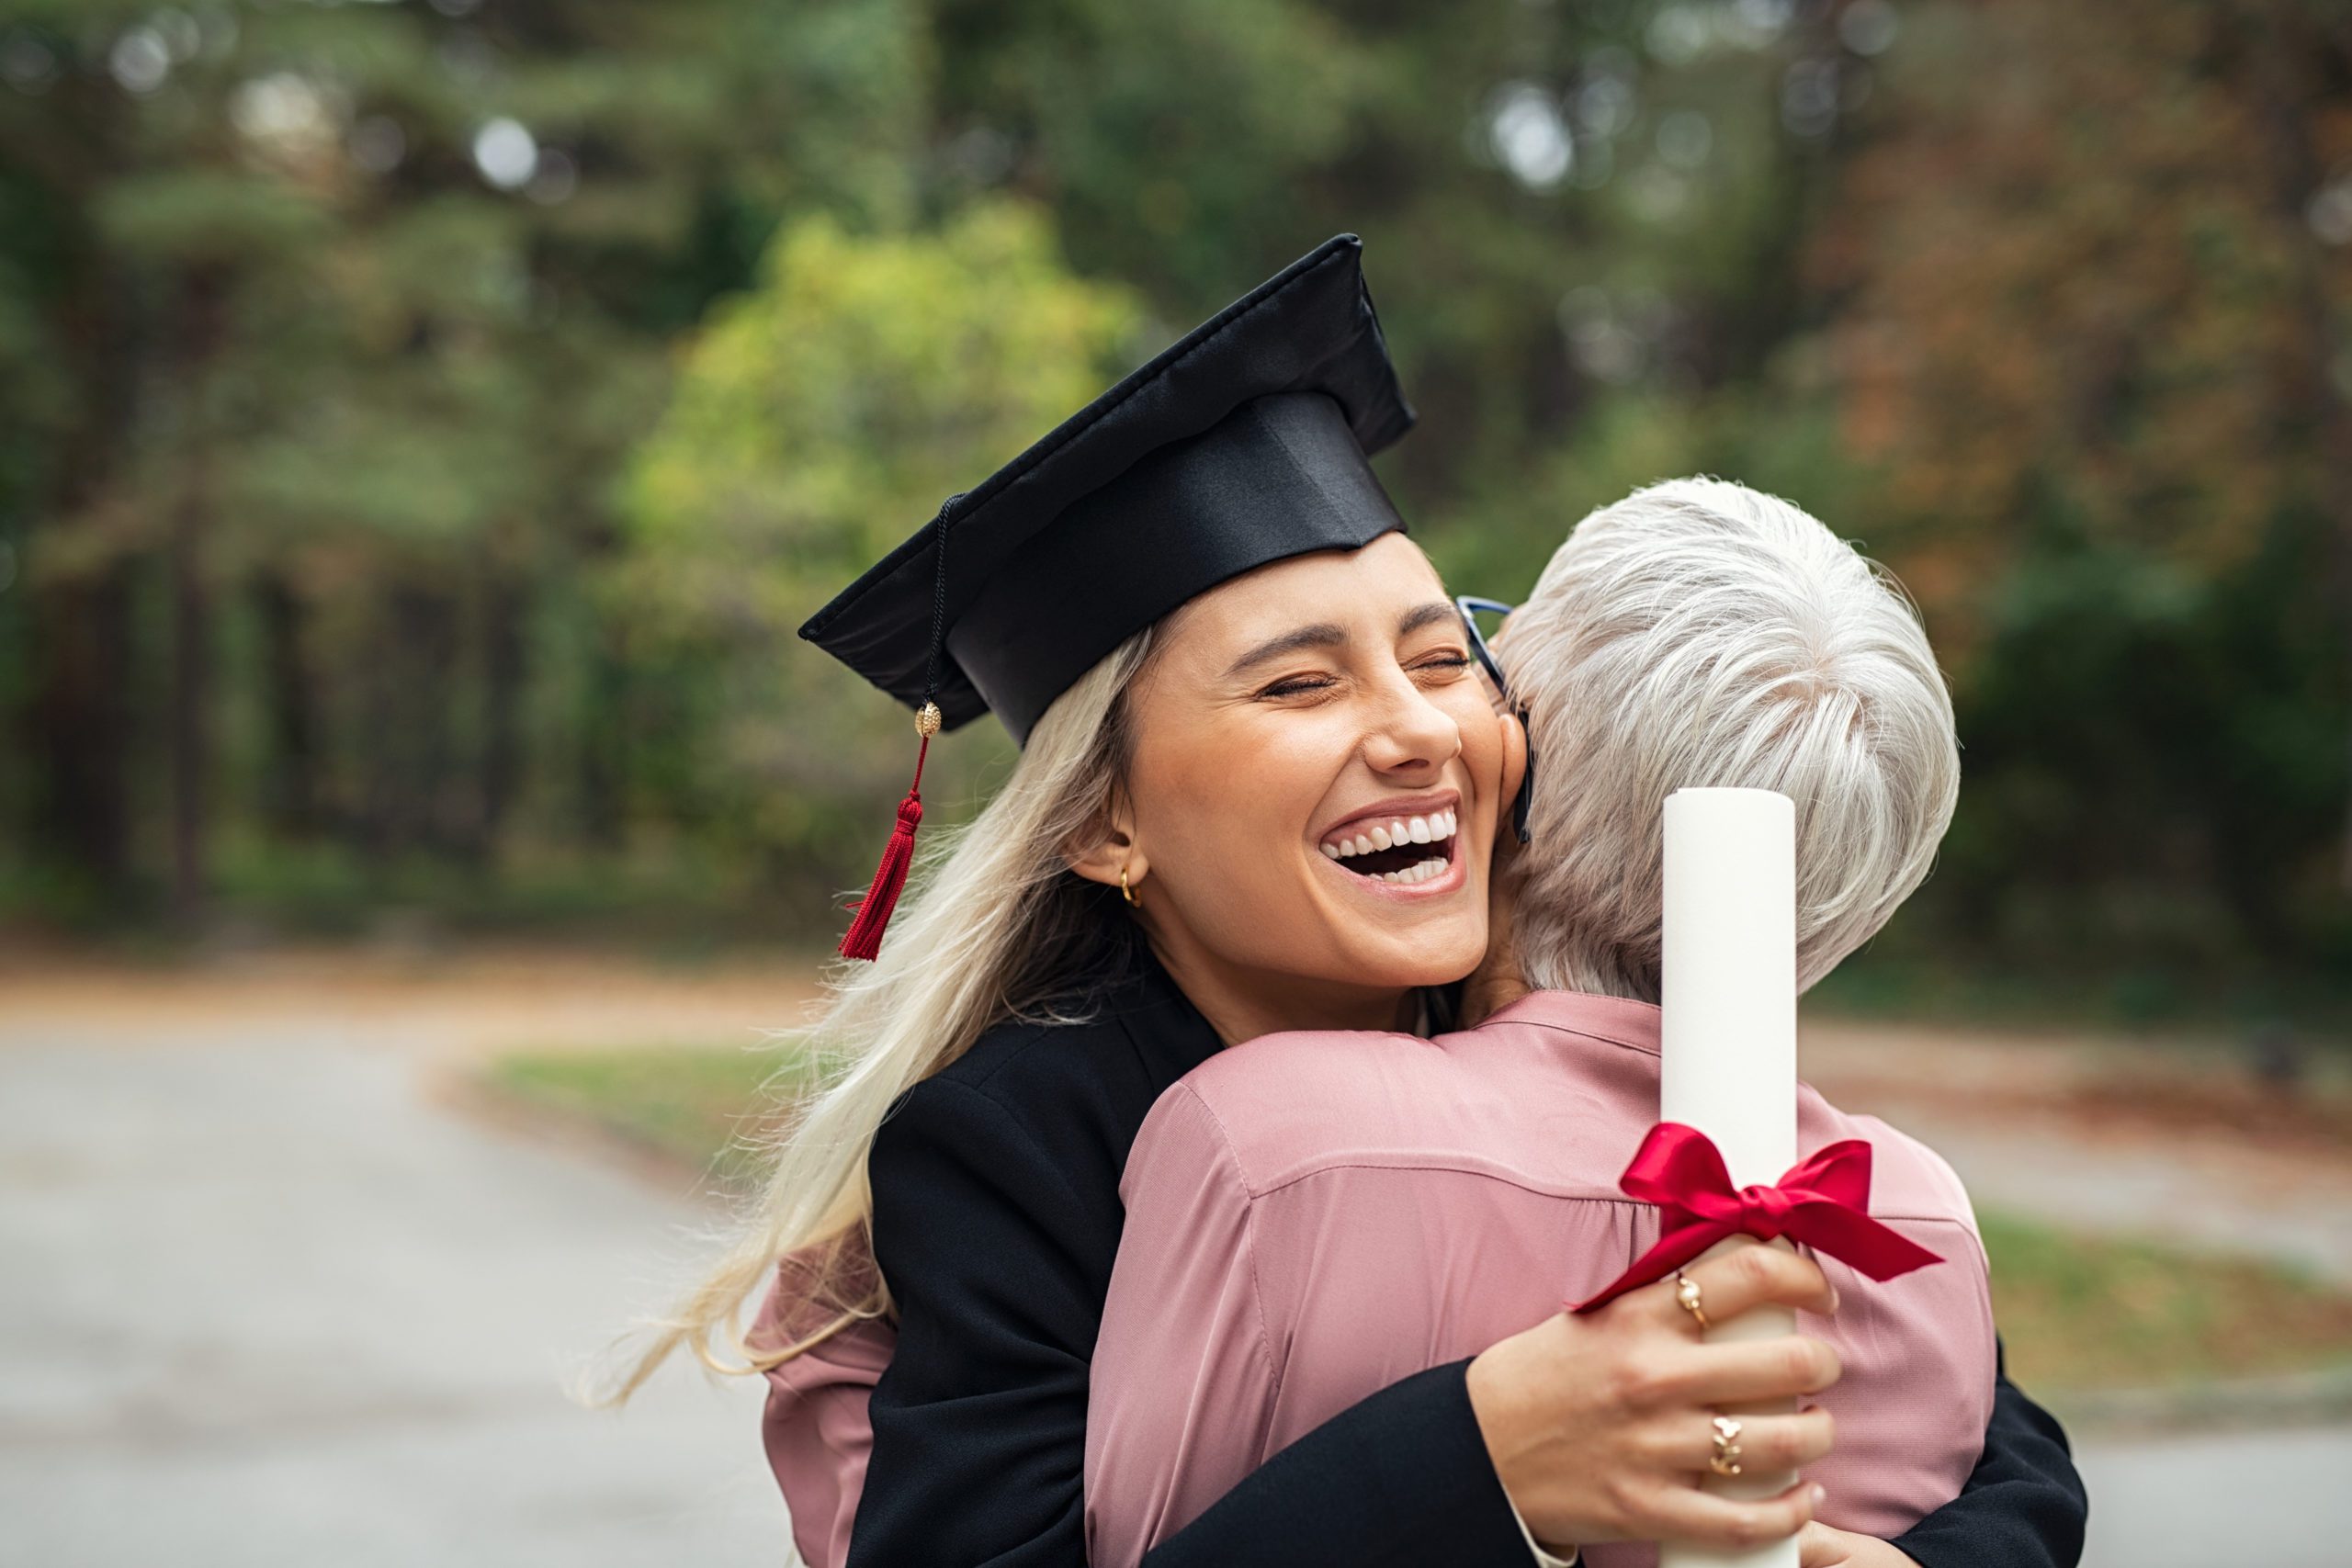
(815, 1427)
(1313, 1216)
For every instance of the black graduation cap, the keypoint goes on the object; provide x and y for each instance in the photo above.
(1244, 443)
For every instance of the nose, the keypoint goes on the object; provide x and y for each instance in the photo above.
(1411, 737)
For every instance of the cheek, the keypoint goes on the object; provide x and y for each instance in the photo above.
(1232, 814)
(1482, 741)
(1229, 835)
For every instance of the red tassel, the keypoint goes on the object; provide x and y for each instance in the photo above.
(873, 912)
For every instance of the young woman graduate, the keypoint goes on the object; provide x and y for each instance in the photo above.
(1146, 889)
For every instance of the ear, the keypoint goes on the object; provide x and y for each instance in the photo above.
(1514, 768)
(1111, 849)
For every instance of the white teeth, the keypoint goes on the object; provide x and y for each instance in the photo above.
(1419, 871)
(1435, 827)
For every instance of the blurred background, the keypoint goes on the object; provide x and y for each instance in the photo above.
(423, 426)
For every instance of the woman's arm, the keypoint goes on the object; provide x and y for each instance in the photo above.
(814, 1426)
(999, 1267)
(2024, 1506)
(1184, 1388)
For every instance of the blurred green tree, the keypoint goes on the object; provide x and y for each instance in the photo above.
(327, 333)
(337, 321)
(820, 419)
(1558, 201)
(2092, 275)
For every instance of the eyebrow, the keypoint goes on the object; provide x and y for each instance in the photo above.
(1427, 614)
(1327, 634)
(1323, 634)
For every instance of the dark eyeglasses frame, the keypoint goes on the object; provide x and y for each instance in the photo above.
(1471, 607)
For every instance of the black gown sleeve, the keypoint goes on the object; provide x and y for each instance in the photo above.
(1000, 1267)
(2024, 1506)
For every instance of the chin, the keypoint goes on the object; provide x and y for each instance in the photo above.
(1429, 958)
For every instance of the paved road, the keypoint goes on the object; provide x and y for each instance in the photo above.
(2252, 1500)
(262, 1302)
(2221, 1199)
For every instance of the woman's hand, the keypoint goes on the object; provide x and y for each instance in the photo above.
(1824, 1546)
(1600, 1426)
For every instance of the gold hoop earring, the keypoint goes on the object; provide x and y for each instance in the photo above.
(1134, 900)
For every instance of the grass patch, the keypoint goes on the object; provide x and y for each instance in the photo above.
(2077, 1311)
(2316, 1005)
(2101, 1312)
(694, 1104)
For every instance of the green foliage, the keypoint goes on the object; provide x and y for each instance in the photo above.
(495, 501)
(822, 418)
(342, 322)
(825, 414)
(2090, 344)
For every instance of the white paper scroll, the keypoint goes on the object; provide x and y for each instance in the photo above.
(1729, 1041)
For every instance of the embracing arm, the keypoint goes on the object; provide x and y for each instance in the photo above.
(999, 1267)
(2024, 1506)
(1182, 1401)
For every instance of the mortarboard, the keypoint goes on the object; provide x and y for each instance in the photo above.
(1243, 443)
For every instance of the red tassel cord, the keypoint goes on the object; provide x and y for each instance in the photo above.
(873, 912)
(864, 938)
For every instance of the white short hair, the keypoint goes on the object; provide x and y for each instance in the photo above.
(1698, 633)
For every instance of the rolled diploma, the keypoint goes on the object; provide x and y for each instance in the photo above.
(1729, 1042)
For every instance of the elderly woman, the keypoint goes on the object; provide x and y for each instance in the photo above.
(1320, 1214)
(1194, 606)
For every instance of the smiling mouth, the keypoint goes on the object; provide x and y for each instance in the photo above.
(1404, 849)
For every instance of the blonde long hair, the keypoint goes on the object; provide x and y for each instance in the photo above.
(994, 925)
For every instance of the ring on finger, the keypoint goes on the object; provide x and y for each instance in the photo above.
(1686, 1293)
(1724, 1461)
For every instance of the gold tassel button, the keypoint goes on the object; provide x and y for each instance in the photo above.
(927, 720)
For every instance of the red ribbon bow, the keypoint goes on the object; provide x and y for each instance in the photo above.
(1823, 1201)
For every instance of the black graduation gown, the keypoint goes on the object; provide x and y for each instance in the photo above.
(996, 1220)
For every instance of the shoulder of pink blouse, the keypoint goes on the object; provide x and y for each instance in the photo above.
(1558, 1109)
(1906, 1176)
(1306, 1101)
(815, 1426)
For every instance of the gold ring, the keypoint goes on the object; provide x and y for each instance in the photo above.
(1686, 1292)
(1126, 892)
(1724, 1461)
